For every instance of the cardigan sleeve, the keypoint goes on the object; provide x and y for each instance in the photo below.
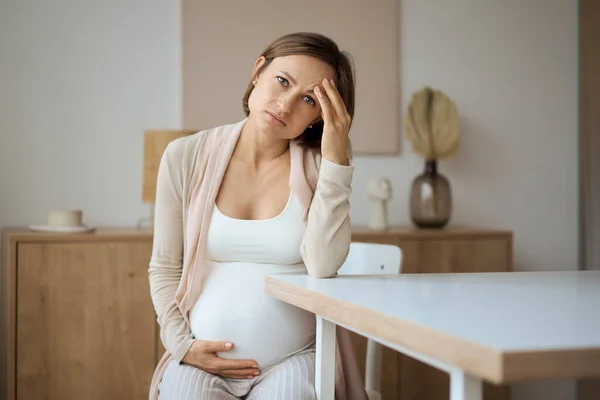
(328, 234)
(166, 263)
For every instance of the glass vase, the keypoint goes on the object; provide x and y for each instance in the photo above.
(430, 198)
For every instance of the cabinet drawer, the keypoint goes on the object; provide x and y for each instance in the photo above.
(456, 255)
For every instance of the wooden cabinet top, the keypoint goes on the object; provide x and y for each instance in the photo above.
(100, 234)
(451, 232)
(115, 233)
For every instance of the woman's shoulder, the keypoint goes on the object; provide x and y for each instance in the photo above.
(184, 151)
(178, 147)
(188, 146)
(180, 153)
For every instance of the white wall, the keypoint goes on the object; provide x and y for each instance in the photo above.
(79, 83)
(511, 67)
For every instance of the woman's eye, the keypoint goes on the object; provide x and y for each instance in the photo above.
(309, 100)
(283, 81)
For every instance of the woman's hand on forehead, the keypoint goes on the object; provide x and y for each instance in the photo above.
(336, 120)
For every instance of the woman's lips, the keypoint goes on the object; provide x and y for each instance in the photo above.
(273, 119)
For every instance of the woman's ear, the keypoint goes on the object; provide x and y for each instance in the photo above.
(260, 61)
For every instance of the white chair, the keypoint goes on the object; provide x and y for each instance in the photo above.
(369, 259)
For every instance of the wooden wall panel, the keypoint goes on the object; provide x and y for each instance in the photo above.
(589, 151)
(221, 46)
(589, 125)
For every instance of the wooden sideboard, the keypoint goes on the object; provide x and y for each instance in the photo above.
(77, 317)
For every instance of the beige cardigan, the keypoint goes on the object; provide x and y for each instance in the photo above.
(189, 177)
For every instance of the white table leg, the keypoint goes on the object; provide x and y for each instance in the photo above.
(373, 366)
(325, 360)
(465, 387)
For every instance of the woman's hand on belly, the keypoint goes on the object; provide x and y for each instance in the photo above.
(202, 355)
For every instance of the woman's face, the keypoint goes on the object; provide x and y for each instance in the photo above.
(283, 103)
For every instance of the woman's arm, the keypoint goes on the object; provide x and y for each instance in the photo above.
(328, 233)
(167, 252)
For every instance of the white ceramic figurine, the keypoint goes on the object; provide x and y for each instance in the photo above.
(379, 191)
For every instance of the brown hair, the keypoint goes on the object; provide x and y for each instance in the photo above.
(326, 50)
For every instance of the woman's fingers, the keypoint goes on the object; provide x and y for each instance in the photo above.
(217, 364)
(332, 105)
(224, 364)
(326, 109)
(334, 98)
(240, 373)
(235, 369)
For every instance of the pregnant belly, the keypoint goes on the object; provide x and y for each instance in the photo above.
(234, 307)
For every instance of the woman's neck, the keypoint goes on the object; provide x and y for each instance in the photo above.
(257, 148)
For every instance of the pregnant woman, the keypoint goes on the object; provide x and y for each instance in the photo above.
(268, 194)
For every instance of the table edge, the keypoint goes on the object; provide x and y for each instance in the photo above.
(499, 366)
(472, 357)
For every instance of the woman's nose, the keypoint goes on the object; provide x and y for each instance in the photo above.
(286, 103)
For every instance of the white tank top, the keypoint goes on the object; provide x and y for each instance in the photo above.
(233, 305)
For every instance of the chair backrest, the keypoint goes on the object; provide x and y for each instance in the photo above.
(372, 258)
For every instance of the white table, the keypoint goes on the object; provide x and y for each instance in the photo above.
(497, 327)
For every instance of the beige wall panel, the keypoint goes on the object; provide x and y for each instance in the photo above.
(222, 39)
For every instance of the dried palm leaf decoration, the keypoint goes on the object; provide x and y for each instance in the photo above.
(432, 124)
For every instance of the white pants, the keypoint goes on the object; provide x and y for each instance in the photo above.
(291, 379)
